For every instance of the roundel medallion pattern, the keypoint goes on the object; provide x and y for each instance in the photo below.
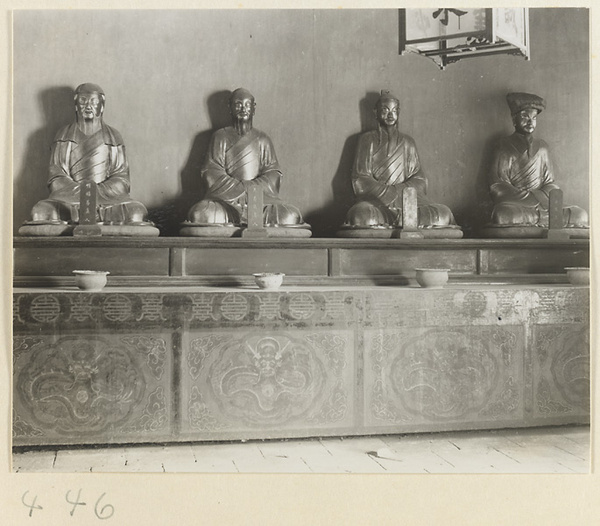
(472, 304)
(117, 307)
(302, 306)
(234, 307)
(45, 308)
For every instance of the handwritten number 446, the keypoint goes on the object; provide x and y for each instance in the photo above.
(105, 511)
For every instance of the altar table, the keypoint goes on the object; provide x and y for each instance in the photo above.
(203, 363)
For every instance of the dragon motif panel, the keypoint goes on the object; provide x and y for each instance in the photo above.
(96, 388)
(561, 371)
(440, 375)
(268, 380)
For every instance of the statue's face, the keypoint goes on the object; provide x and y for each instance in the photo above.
(242, 108)
(89, 105)
(525, 121)
(387, 112)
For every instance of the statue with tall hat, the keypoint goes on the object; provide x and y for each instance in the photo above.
(522, 178)
(386, 170)
(88, 155)
(240, 170)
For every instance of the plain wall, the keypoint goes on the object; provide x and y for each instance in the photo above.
(316, 75)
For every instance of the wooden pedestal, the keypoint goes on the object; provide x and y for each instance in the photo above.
(194, 261)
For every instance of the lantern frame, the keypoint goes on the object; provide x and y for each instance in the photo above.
(504, 31)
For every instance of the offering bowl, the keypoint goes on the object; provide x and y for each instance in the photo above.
(578, 275)
(90, 280)
(269, 280)
(432, 278)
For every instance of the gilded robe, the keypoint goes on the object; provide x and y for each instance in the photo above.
(384, 165)
(234, 163)
(521, 179)
(77, 158)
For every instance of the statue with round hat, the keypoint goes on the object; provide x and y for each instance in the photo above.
(522, 185)
(390, 185)
(88, 164)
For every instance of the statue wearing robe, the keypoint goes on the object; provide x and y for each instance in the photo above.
(76, 158)
(521, 174)
(240, 156)
(386, 162)
(88, 150)
(233, 164)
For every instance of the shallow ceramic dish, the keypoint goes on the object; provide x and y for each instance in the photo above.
(432, 278)
(269, 280)
(578, 275)
(90, 280)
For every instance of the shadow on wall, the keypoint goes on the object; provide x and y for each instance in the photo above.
(328, 219)
(31, 183)
(473, 217)
(169, 216)
(475, 212)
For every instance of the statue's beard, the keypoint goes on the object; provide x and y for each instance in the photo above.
(89, 126)
(392, 133)
(243, 126)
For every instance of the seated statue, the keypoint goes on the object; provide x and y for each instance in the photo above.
(521, 175)
(386, 163)
(240, 157)
(88, 150)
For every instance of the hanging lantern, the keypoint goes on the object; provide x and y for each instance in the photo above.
(449, 35)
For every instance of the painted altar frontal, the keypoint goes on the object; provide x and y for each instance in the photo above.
(158, 364)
